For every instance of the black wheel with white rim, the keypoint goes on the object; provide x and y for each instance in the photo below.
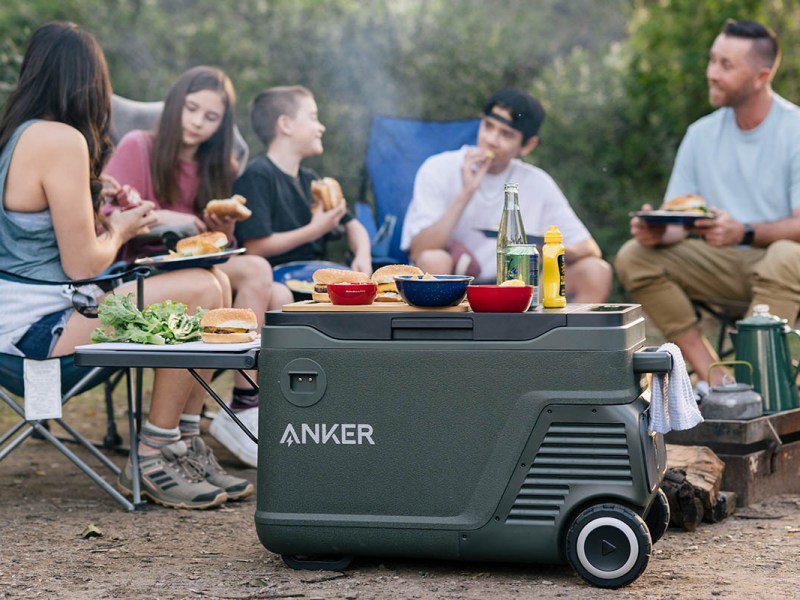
(657, 517)
(608, 545)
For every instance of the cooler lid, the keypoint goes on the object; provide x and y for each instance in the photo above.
(436, 326)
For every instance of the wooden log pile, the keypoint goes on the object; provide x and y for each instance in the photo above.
(692, 485)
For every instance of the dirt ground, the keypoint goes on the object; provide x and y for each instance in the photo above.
(46, 505)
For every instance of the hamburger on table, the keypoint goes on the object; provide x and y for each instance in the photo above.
(229, 326)
(387, 287)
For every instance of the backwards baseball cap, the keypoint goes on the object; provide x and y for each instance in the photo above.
(527, 114)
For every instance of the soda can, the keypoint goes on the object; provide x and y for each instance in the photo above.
(534, 272)
(521, 261)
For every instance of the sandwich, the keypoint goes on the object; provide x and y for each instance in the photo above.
(209, 242)
(326, 193)
(387, 288)
(229, 326)
(229, 207)
(322, 277)
(690, 203)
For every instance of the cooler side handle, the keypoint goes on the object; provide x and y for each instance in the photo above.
(651, 360)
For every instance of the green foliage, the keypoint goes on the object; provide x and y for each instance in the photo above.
(620, 79)
(435, 59)
(615, 120)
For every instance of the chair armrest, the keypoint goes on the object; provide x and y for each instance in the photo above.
(126, 275)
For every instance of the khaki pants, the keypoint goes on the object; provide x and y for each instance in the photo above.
(665, 279)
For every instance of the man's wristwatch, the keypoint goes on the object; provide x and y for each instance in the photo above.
(749, 235)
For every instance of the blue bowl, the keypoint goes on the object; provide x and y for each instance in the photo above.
(442, 290)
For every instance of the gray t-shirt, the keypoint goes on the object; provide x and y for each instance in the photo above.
(754, 174)
(28, 247)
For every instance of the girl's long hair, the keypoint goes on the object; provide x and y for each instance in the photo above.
(214, 167)
(64, 77)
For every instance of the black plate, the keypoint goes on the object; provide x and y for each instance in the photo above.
(663, 217)
(166, 262)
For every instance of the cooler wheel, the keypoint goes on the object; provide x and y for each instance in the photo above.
(608, 545)
(317, 563)
(657, 517)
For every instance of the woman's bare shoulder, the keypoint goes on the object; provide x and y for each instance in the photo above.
(52, 136)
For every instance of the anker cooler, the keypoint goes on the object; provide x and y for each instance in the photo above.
(487, 437)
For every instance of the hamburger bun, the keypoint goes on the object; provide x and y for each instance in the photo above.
(204, 243)
(691, 203)
(229, 326)
(327, 193)
(387, 287)
(229, 207)
(322, 277)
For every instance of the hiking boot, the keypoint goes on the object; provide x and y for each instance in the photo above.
(171, 478)
(236, 487)
(227, 432)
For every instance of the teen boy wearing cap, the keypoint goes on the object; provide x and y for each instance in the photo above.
(458, 193)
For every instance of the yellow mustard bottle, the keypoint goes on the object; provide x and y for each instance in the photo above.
(553, 294)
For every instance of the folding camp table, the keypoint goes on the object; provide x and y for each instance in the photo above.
(190, 356)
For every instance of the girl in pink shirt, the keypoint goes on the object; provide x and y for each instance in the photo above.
(185, 163)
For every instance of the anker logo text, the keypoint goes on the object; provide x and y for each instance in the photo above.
(338, 433)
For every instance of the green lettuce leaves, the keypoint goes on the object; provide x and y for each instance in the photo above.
(163, 323)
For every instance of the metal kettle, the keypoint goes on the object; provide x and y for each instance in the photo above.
(731, 400)
(762, 340)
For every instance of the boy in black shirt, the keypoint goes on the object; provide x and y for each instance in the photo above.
(283, 227)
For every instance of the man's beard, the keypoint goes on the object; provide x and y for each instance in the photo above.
(728, 98)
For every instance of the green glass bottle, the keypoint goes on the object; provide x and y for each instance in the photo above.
(512, 255)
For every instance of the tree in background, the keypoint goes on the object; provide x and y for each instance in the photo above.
(616, 120)
(436, 59)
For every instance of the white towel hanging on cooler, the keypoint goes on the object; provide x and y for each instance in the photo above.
(672, 404)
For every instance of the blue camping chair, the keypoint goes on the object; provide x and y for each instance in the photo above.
(395, 150)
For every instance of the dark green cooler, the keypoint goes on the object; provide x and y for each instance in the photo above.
(495, 437)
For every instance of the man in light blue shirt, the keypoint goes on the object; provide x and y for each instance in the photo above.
(744, 160)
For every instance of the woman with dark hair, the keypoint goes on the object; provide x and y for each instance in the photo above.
(182, 165)
(53, 144)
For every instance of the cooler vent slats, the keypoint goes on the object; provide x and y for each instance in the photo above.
(570, 454)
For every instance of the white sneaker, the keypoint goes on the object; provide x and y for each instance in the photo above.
(227, 432)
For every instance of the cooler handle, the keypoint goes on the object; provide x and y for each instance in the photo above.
(432, 323)
(652, 360)
(432, 329)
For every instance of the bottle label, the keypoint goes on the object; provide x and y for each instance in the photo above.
(562, 271)
(514, 265)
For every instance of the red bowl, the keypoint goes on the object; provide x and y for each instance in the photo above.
(498, 298)
(352, 293)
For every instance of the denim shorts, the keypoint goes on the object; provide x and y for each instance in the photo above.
(37, 343)
(39, 340)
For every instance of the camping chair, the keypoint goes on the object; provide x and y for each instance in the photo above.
(127, 115)
(74, 381)
(395, 150)
(725, 312)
